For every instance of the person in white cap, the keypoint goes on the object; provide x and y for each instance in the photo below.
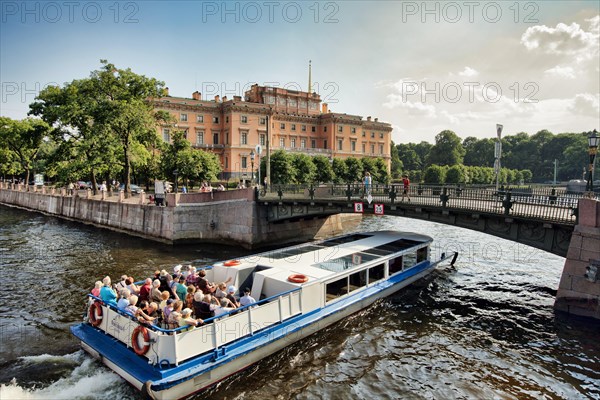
(231, 295)
(187, 320)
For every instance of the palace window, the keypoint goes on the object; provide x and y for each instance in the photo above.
(199, 137)
(381, 135)
(262, 121)
(364, 149)
(303, 128)
(380, 149)
(167, 135)
(372, 149)
(282, 142)
(324, 129)
(263, 139)
(353, 145)
(293, 143)
(244, 162)
(340, 144)
(244, 138)
(372, 134)
(244, 119)
(183, 117)
(282, 126)
(302, 143)
(313, 129)
(353, 130)
(313, 143)
(215, 120)
(293, 127)
(199, 118)
(215, 137)
(340, 128)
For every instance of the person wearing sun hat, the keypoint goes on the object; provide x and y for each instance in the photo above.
(187, 320)
(231, 295)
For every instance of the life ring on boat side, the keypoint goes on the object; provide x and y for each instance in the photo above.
(298, 278)
(95, 313)
(140, 350)
(231, 263)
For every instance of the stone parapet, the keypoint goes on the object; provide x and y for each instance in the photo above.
(578, 293)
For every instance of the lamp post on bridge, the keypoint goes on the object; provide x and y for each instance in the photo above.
(252, 166)
(593, 140)
(175, 173)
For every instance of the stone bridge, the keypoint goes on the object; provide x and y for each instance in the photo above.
(541, 218)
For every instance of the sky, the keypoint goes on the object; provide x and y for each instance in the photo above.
(422, 66)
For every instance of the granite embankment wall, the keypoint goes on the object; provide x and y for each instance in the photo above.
(230, 217)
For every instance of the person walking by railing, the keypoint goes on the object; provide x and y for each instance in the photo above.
(368, 181)
(406, 184)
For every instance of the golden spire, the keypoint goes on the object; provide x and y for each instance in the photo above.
(309, 77)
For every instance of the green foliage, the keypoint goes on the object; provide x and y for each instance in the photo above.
(434, 175)
(354, 170)
(282, 168)
(324, 171)
(304, 168)
(21, 142)
(396, 164)
(448, 149)
(340, 170)
(456, 174)
(191, 165)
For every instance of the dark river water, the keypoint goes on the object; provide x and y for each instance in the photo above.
(484, 329)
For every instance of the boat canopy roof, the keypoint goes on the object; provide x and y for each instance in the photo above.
(326, 258)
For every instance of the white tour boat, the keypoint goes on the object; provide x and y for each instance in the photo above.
(299, 291)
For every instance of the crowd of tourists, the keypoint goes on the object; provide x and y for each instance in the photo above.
(171, 300)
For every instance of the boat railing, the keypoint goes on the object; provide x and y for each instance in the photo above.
(176, 345)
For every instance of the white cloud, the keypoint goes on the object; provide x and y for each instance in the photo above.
(468, 72)
(586, 104)
(564, 40)
(561, 72)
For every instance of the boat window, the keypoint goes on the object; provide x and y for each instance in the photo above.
(395, 265)
(357, 280)
(346, 262)
(376, 273)
(422, 254)
(345, 239)
(335, 289)
(292, 253)
(410, 259)
(398, 245)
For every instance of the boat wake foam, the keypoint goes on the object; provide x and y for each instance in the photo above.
(88, 379)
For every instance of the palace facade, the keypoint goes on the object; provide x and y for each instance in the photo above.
(298, 122)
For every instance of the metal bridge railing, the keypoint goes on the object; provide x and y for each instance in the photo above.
(546, 204)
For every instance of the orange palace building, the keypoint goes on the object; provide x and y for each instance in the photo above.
(231, 128)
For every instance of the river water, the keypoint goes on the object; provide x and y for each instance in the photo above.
(484, 329)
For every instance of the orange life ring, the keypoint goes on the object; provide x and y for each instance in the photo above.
(95, 313)
(298, 278)
(231, 263)
(140, 351)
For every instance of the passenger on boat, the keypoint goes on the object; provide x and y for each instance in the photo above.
(131, 308)
(145, 290)
(173, 283)
(187, 320)
(143, 313)
(107, 294)
(166, 311)
(246, 298)
(181, 289)
(177, 270)
(203, 283)
(172, 321)
(189, 297)
(96, 289)
(133, 288)
(221, 291)
(231, 296)
(224, 308)
(155, 293)
(121, 284)
(163, 302)
(186, 271)
(192, 278)
(203, 307)
(123, 302)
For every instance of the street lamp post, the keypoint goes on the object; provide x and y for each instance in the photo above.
(593, 140)
(175, 173)
(252, 166)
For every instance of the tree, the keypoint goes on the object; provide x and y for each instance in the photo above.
(324, 170)
(282, 168)
(23, 140)
(396, 164)
(381, 172)
(407, 153)
(354, 170)
(456, 174)
(108, 109)
(479, 152)
(434, 174)
(340, 170)
(304, 168)
(448, 149)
